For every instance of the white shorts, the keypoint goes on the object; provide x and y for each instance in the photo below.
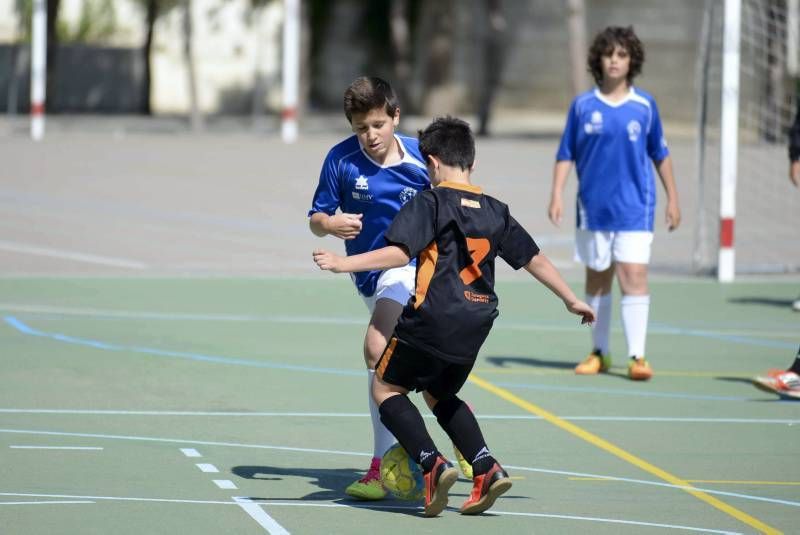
(396, 284)
(598, 248)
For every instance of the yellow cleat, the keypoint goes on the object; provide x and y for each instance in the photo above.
(463, 464)
(369, 487)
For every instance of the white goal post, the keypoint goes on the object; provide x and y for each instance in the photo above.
(747, 95)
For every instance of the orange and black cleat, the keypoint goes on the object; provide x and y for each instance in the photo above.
(486, 488)
(437, 482)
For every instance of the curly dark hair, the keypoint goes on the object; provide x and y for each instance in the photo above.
(604, 44)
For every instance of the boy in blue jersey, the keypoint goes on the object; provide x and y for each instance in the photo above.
(612, 134)
(456, 232)
(368, 177)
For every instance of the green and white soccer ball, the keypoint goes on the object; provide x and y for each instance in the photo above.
(401, 475)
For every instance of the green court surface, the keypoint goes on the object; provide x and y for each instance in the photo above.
(221, 405)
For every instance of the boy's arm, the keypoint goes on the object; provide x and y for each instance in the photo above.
(546, 273)
(388, 257)
(560, 174)
(344, 226)
(673, 216)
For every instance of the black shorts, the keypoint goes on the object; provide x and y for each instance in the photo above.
(404, 365)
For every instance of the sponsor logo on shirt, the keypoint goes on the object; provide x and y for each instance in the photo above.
(596, 124)
(362, 190)
(407, 194)
(634, 129)
(476, 298)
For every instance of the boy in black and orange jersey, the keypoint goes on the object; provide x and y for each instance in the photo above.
(455, 231)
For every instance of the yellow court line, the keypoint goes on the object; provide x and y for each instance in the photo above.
(570, 371)
(622, 454)
(717, 481)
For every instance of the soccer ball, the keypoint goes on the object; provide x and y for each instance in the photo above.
(401, 475)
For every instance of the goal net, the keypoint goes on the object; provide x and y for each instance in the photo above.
(766, 226)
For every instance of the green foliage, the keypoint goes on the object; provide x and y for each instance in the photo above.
(97, 23)
(24, 9)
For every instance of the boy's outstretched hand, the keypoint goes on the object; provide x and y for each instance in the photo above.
(582, 309)
(327, 260)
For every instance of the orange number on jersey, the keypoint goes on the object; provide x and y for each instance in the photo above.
(478, 249)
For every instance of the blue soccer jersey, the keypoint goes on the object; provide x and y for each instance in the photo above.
(612, 145)
(353, 182)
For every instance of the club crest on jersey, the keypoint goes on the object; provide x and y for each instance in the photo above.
(634, 129)
(407, 194)
(361, 183)
(596, 124)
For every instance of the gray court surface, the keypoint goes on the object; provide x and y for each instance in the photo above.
(172, 361)
(146, 197)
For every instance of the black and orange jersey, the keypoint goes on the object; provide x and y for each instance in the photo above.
(455, 231)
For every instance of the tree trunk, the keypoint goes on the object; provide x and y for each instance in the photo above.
(576, 31)
(437, 39)
(196, 118)
(400, 37)
(52, 54)
(152, 15)
(493, 63)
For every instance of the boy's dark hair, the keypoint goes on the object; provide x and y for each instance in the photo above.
(450, 140)
(368, 93)
(603, 45)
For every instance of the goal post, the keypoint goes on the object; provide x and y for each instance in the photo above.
(38, 67)
(748, 214)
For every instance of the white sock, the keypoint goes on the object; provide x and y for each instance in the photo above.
(634, 311)
(602, 324)
(383, 439)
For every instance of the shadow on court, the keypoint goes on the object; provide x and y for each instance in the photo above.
(333, 482)
(769, 301)
(502, 362)
(757, 388)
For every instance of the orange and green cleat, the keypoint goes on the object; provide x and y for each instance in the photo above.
(593, 364)
(639, 369)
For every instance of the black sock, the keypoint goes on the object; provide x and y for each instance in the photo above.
(796, 364)
(402, 418)
(461, 426)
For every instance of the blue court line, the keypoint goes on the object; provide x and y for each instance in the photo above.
(25, 329)
(733, 338)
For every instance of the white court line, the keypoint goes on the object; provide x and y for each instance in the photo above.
(653, 419)
(361, 454)
(92, 448)
(120, 498)
(360, 506)
(225, 484)
(47, 502)
(190, 452)
(259, 515)
(207, 468)
(15, 247)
